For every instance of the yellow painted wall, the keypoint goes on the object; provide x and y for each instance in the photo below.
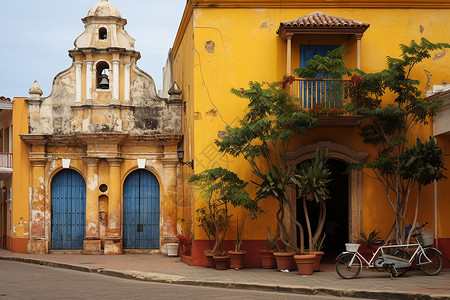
(247, 48)
(21, 167)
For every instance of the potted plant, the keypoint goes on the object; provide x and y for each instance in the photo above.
(311, 179)
(369, 243)
(267, 258)
(237, 256)
(220, 188)
(285, 260)
(305, 263)
(317, 250)
(221, 259)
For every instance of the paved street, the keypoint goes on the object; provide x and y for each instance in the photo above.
(30, 281)
(160, 268)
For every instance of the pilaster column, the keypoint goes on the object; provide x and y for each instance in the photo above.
(92, 242)
(78, 65)
(358, 51)
(113, 243)
(169, 201)
(89, 64)
(289, 53)
(116, 80)
(37, 243)
(127, 82)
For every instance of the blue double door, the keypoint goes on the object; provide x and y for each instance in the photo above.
(68, 224)
(141, 211)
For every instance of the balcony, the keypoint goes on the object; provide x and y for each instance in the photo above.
(5, 165)
(329, 94)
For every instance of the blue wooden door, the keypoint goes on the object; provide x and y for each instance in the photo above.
(68, 210)
(316, 91)
(141, 211)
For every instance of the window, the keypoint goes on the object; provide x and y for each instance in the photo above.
(102, 33)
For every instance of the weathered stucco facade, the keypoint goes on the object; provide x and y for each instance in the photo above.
(224, 44)
(105, 121)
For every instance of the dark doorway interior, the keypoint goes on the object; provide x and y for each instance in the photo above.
(336, 224)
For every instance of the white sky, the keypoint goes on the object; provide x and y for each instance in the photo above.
(35, 36)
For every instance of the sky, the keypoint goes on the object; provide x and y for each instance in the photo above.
(35, 37)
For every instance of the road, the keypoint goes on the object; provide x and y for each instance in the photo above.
(30, 281)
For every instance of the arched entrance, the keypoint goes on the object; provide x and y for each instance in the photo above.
(336, 228)
(68, 191)
(345, 155)
(141, 211)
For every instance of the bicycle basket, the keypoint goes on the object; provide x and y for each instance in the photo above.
(426, 239)
(352, 247)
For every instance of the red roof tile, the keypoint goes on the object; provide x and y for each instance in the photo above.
(320, 19)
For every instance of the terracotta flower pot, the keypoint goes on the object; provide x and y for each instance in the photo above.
(305, 263)
(319, 255)
(210, 260)
(237, 259)
(285, 260)
(221, 261)
(267, 259)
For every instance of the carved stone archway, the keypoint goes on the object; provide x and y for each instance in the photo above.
(344, 154)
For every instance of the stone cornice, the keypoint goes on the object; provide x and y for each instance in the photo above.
(110, 50)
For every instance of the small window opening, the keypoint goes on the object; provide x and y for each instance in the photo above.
(103, 75)
(103, 33)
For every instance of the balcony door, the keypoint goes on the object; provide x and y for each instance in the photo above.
(319, 91)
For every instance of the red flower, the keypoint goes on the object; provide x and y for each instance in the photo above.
(242, 92)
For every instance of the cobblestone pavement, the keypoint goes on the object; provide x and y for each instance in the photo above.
(30, 281)
(160, 268)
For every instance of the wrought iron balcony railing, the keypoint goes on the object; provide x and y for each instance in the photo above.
(331, 93)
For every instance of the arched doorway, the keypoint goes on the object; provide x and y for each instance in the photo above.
(141, 211)
(68, 228)
(345, 155)
(336, 228)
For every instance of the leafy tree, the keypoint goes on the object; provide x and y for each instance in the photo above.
(389, 127)
(220, 188)
(263, 134)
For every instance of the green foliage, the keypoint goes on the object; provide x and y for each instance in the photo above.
(371, 239)
(220, 187)
(272, 243)
(330, 66)
(312, 178)
(272, 119)
(424, 162)
(388, 127)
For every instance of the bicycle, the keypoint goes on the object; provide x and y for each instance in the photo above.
(429, 260)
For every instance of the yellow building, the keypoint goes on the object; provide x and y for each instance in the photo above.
(95, 162)
(6, 146)
(224, 44)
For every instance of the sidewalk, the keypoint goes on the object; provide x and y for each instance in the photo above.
(160, 268)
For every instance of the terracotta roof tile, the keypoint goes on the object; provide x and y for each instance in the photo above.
(320, 19)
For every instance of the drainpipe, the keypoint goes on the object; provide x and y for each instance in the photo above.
(436, 215)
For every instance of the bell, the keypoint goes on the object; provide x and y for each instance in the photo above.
(104, 82)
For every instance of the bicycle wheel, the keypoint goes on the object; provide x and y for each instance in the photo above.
(405, 255)
(347, 270)
(430, 261)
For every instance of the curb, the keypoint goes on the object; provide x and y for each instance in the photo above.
(173, 279)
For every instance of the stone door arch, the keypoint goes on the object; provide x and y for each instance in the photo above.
(347, 155)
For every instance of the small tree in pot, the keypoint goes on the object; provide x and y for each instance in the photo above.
(221, 188)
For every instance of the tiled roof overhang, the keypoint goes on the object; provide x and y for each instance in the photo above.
(321, 23)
